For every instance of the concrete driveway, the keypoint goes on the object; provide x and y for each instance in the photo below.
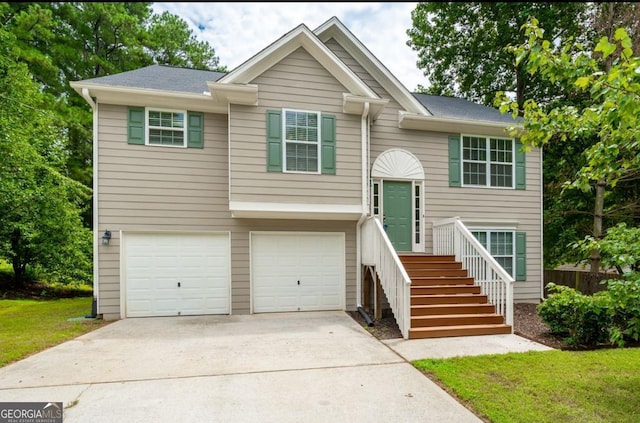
(290, 367)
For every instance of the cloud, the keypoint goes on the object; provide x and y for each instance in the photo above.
(239, 30)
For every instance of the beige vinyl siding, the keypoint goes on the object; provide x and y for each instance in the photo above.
(149, 188)
(442, 201)
(296, 82)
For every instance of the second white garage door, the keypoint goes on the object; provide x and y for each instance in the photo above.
(297, 271)
(173, 274)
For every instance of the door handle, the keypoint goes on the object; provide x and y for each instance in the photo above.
(178, 284)
(298, 282)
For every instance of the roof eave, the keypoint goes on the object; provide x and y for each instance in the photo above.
(440, 124)
(225, 94)
(111, 94)
(355, 105)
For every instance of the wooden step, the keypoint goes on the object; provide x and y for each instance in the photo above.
(417, 273)
(445, 289)
(449, 299)
(431, 265)
(405, 258)
(456, 320)
(465, 330)
(438, 309)
(442, 280)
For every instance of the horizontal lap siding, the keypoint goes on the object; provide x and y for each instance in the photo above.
(147, 188)
(296, 82)
(442, 201)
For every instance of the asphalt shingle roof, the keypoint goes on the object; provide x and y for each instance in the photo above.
(459, 108)
(162, 77)
(169, 78)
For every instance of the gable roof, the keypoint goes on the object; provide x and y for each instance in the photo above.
(335, 29)
(169, 86)
(354, 100)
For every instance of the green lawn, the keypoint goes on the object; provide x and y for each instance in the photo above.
(30, 326)
(551, 386)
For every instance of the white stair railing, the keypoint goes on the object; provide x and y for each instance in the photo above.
(452, 237)
(377, 251)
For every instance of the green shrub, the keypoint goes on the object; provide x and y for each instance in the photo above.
(625, 309)
(583, 320)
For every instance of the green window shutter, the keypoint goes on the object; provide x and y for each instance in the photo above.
(521, 256)
(455, 161)
(274, 141)
(135, 133)
(328, 130)
(520, 167)
(195, 130)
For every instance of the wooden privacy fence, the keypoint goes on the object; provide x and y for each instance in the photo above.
(585, 282)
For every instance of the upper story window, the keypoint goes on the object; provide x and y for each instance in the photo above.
(166, 128)
(485, 161)
(488, 161)
(301, 141)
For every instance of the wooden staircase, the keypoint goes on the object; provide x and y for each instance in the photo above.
(445, 302)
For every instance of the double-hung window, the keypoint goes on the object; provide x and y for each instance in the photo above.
(301, 141)
(165, 127)
(485, 161)
(500, 245)
(508, 248)
(488, 161)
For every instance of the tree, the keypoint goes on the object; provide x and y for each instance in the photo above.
(608, 77)
(461, 46)
(40, 207)
(68, 41)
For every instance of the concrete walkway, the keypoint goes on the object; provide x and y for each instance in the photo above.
(311, 367)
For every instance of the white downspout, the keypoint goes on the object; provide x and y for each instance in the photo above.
(96, 281)
(364, 130)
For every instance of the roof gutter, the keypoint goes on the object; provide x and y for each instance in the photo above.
(430, 123)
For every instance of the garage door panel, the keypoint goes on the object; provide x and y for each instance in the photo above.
(280, 260)
(176, 274)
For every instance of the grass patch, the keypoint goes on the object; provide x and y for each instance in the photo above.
(551, 386)
(30, 326)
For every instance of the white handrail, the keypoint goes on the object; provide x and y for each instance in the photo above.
(378, 251)
(451, 236)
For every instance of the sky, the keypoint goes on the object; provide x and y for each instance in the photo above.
(238, 30)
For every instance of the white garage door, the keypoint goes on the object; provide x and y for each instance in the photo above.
(176, 274)
(297, 271)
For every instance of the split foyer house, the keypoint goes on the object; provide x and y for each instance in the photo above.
(309, 178)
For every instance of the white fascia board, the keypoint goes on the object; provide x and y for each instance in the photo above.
(333, 28)
(225, 94)
(430, 123)
(355, 105)
(299, 37)
(256, 210)
(109, 94)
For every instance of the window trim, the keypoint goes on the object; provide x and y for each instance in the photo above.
(488, 231)
(148, 127)
(285, 141)
(488, 162)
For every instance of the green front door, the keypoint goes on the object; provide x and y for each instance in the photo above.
(397, 213)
